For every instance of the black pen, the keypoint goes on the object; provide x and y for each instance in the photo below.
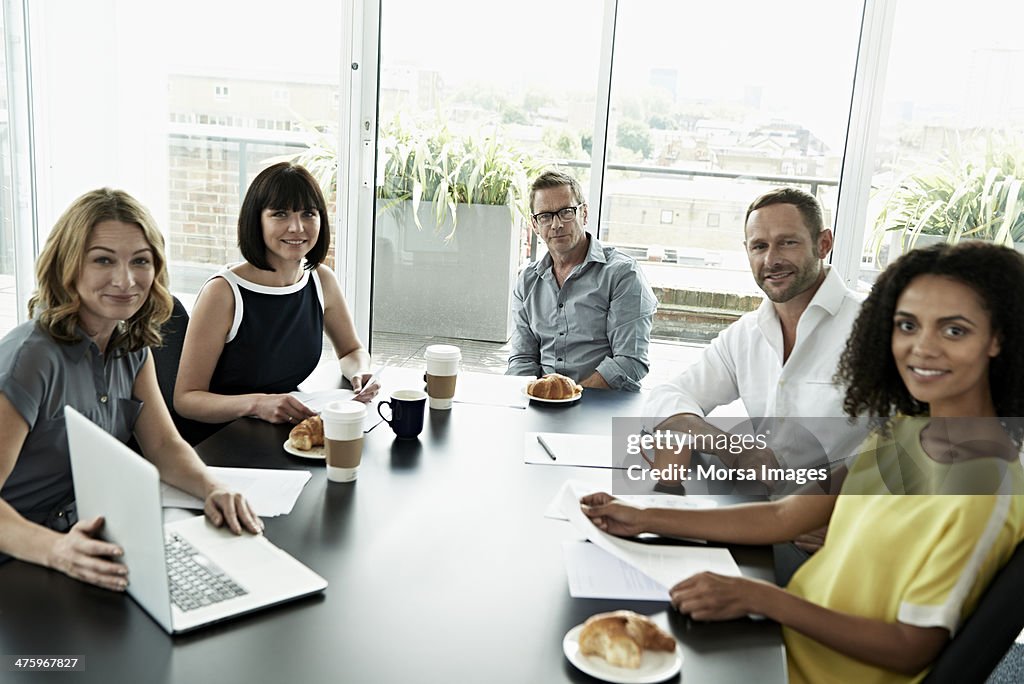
(547, 449)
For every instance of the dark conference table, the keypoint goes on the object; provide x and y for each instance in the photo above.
(441, 568)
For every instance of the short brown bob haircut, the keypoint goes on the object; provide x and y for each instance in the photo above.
(282, 186)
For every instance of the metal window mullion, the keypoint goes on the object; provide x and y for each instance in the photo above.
(348, 35)
(23, 171)
(862, 136)
(603, 106)
(357, 149)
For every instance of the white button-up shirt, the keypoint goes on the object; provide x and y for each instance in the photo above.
(745, 362)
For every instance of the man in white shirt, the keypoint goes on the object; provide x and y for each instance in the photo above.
(780, 359)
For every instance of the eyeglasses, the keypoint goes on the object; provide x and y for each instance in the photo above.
(565, 215)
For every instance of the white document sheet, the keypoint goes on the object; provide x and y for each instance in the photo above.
(270, 492)
(591, 451)
(665, 564)
(318, 401)
(497, 390)
(595, 573)
(580, 489)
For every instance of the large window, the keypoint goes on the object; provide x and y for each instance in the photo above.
(8, 280)
(714, 103)
(183, 106)
(697, 127)
(494, 97)
(949, 163)
(252, 85)
(709, 104)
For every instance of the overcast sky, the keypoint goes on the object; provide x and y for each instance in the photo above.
(803, 65)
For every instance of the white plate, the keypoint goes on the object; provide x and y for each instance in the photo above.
(655, 666)
(318, 453)
(575, 397)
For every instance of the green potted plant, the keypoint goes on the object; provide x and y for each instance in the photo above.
(961, 196)
(427, 163)
(450, 214)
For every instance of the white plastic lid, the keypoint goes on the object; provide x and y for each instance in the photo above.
(345, 411)
(442, 352)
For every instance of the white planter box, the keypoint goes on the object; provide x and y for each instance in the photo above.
(425, 285)
(896, 247)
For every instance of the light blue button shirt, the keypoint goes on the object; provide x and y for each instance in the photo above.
(600, 319)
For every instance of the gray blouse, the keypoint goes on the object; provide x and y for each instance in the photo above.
(40, 376)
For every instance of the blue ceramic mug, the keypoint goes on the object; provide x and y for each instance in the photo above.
(406, 408)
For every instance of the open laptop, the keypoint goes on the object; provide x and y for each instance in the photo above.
(185, 574)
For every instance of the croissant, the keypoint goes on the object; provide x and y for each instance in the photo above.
(553, 386)
(621, 637)
(307, 434)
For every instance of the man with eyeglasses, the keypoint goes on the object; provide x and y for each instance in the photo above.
(585, 309)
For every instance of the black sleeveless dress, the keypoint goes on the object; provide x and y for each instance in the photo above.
(276, 337)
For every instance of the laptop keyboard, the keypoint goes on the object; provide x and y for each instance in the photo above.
(195, 580)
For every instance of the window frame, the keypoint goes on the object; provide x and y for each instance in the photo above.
(357, 142)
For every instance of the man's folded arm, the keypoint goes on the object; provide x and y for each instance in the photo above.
(630, 317)
(622, 372)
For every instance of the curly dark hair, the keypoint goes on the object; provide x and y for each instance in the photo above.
(873, 384)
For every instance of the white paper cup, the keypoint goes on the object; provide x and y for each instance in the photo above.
(343, 434)
(443, 361)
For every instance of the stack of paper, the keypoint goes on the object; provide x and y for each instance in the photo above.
(580, 489)
(595, 573)
(318, 401)
(269, 492)
(664, 565)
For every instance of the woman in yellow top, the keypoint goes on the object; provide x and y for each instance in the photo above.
(936, 354)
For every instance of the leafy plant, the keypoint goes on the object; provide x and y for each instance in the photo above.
(428, 163)
(320, 157)
(961, 196)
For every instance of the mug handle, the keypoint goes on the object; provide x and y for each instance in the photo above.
(390, 410)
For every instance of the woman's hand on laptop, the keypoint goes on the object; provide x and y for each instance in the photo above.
(230, 508)
(80, 555)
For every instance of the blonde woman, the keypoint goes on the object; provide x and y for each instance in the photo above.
(102, 296)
